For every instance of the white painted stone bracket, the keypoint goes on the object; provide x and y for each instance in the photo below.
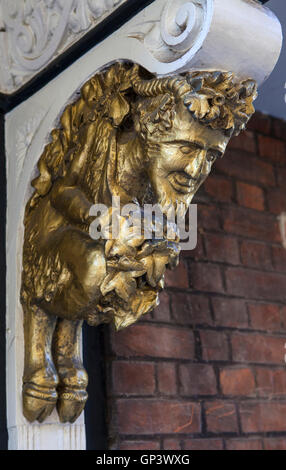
(167, 37)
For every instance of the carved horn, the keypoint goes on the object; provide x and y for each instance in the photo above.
(158, 86)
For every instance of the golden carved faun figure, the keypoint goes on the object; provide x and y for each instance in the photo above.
(133, 136)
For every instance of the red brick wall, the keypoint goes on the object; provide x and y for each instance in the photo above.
(206, 370)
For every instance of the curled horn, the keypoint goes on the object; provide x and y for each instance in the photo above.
(158, 86)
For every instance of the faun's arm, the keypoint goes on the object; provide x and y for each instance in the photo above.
(71, 202)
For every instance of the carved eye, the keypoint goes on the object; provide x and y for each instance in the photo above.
(185, 149)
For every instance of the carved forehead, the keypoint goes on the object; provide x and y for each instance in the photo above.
(187, 129)
(216, 99)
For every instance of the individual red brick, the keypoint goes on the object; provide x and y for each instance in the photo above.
(272, 149)
(263, 417)
(214, 345)
(219, 188)
(256, 255)
(222, 248)
(237, 381)
(258, 348)
(139, 445)
(281, 176)
(221, 417)
(250, 196)
(167, 382)
(264, 316)
(260, 123)
(275, 443)
(206, 277)
(189, 309)
(244, 444)
(271, 382)
(276, 200)
(203, 444)
(245, 166)
(197, 379)
(171, 444)
(256, 285)
(158, 417)
(162, 312)
(245, 141)
(196, 254)
(150, 340)
(134, 378)
(178, 277)
(257, 225)
(279, 258)
(279, 128)
(230, 312)
(208, 217)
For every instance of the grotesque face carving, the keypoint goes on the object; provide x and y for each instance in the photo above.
(184, 159)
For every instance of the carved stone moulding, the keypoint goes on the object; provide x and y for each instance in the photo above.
(34, 32)
(207, 35)
(168, 36)
(208, 45)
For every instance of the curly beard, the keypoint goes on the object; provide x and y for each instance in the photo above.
(135, 273)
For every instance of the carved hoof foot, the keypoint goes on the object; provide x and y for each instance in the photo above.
(70, 405)
(38, 403)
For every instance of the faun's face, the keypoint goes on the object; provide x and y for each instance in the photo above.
(183, 159)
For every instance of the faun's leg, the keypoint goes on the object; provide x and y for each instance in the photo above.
(40, 378)
(73, 378)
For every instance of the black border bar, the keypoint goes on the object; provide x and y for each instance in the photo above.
(3, 205)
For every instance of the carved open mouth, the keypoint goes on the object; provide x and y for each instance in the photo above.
(182, 182)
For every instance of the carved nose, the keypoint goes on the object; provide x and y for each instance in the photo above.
(194, 167)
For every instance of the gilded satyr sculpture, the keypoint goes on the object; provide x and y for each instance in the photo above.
(132, 136)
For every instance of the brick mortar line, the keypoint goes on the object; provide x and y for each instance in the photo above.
(210, 435)
(235, 205)
(248, 154)
(243, 266)
(204, 327)
(189, 290)
(239, 237)
(195, 292)
(183, 361)
(189, 259)
(201, 399)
